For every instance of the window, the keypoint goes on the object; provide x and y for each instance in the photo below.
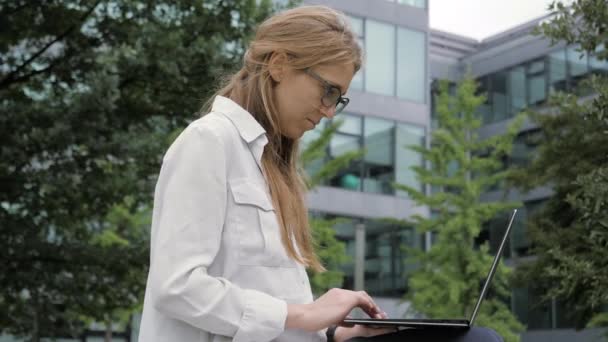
(511, 90)
(524, 147)
(498, 83)
(395, 60)
(529, 311)
(415, 3)
(384, 266)
(485, 109)
(557, 71)
(315, 166)
(578, 69)
(357, 25)
(577, 61)
(536, 85)
(405, 158)
(378, 164)
(493, 232)
(347, 139)
(411, 65)
(380, 52)
(351, 124)
(386, 160)
(517, 89)
(384, 257)
(598, 66)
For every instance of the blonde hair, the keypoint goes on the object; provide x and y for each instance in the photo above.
(309, 35)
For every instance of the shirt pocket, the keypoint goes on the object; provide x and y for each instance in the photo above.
(257, 226)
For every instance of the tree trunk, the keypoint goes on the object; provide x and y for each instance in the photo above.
(108, 336)
(36, 319)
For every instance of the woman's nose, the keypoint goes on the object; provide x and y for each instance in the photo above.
(328, 112)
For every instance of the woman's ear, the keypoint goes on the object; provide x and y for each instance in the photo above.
(277, 66)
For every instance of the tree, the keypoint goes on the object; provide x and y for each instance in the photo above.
(90, 91)
(570, 233)
(447, 281)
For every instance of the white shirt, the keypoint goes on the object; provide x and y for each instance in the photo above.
(218, 269)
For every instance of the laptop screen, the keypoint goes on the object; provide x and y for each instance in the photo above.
(486, 285)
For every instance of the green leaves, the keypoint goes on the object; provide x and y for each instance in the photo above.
(92, 92)
(332, 253)
(570, 232)
(462, 168)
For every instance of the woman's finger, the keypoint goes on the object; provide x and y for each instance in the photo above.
(370, 307)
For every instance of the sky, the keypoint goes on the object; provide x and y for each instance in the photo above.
(480, 19)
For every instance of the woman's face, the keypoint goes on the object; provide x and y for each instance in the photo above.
(299, 95)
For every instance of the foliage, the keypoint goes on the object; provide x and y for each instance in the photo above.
(570, 233)
(463, 167)
(90, 92)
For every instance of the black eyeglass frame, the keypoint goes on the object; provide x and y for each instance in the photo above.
(326, 99)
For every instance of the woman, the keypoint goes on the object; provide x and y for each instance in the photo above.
(230, 233)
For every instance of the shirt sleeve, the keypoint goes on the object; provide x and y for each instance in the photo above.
(188, 219)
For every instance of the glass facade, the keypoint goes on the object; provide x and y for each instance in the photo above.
(528, 85)
(385, 270)
(414, 3)
(526, 301)
(528, 307)
(508, 92)
(396, 66)
(518, 244)
(395, 60)
(524, 147)
(387, 158)
(535, 316)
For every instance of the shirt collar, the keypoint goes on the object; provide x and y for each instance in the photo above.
(248, 127)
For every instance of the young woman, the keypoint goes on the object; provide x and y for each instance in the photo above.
(230, 235)
(230, 232)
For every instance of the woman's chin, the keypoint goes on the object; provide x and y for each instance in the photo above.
(293, 135)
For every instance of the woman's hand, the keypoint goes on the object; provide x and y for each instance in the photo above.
(330, 308)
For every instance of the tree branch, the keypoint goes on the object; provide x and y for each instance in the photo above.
(12, 76)
(5, 83)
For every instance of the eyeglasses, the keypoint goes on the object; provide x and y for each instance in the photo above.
(332, 96)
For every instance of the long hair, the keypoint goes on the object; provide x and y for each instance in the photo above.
(309, 35)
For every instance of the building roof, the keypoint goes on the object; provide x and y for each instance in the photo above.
(446, 44)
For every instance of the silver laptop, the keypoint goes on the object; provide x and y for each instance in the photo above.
(439, 323)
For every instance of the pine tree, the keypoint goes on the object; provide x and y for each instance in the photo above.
(462, 166)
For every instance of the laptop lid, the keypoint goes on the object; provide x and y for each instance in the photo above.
(443, 322)
(486, 285)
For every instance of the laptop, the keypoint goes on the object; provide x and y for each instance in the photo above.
(439, 323)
